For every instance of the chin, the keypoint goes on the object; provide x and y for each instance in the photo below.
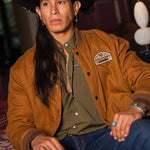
(60, 28)
(57, 30)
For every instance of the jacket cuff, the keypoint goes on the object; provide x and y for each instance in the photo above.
(143, 99)
(28, 138)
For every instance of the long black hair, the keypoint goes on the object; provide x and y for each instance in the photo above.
(46, 72)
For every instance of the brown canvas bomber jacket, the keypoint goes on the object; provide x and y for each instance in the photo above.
(115, 75)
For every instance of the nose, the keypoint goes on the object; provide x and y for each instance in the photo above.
(54, 9)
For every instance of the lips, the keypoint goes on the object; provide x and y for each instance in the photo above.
(55, 20)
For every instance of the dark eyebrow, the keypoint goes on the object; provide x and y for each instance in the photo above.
(43, 0)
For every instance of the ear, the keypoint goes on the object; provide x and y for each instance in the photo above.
(38, 11)
(76, 7)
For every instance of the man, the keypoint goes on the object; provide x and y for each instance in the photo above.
(66, 92)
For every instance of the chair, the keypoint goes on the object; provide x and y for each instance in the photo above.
(4, 142)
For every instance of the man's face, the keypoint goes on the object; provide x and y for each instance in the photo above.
(58, 15)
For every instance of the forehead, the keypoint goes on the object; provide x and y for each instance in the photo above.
(54, 0)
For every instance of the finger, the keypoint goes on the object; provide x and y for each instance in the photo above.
(123, 128)
(35, 147)
(57, 143)
(125, 121)
(118, 127)
(42, 148)
(47, 145)
(51, 146)
(113, 128)
(38, 148)
(128, 125)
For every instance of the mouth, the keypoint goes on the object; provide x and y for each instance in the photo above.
(55, 20)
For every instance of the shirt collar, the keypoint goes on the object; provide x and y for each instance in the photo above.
(71, 43)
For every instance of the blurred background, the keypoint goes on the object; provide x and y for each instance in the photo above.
(18, 30)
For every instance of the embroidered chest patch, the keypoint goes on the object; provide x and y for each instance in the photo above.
(102, 57)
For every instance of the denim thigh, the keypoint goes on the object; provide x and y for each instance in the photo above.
(138, 139)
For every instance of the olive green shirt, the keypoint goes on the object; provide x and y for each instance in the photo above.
(79, 114)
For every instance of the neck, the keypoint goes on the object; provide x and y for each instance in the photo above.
(63, 37)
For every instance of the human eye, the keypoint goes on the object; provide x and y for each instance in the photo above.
(44, 3)
(61, 2)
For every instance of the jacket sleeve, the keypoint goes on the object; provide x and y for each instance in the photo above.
(21, 128)
(135, 71)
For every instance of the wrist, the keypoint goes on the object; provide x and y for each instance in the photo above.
(139, 107)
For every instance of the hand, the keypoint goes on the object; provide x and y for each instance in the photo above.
(43, 142)
(123, 123)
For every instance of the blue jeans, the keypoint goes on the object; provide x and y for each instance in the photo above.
(138, 139)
